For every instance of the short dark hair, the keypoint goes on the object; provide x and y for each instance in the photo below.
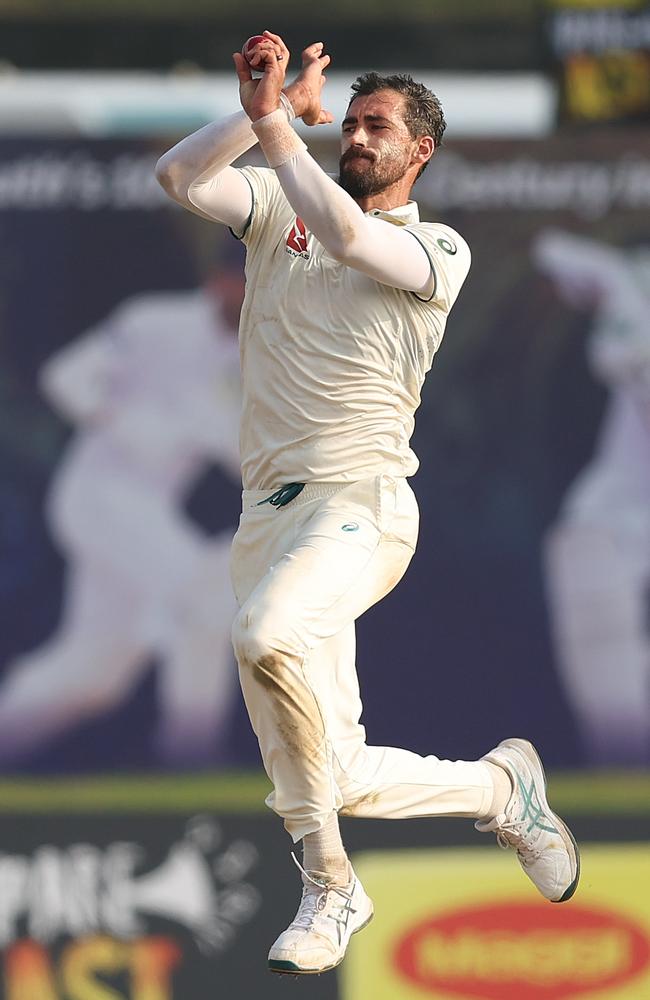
(423, 113)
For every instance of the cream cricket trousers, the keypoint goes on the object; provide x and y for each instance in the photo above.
(302, 575)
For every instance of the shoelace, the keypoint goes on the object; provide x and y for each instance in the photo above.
(313, 903)
(510, 834)
(284, 495)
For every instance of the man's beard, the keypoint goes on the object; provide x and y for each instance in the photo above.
(371, 179)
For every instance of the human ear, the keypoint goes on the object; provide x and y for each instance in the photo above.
(424, 150)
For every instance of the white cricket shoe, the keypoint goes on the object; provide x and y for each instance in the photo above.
(544, 844)
(327, 918)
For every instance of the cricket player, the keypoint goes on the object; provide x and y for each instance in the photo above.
(153, 392)
(346, 302)
(598, 550)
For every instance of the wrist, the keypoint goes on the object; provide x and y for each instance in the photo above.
(299, 97)
(278, 141)
(288, 106)
(256, 114)
(283, 103)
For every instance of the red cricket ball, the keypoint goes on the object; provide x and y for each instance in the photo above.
(249, 44)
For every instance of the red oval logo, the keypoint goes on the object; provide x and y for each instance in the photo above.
(511, 950)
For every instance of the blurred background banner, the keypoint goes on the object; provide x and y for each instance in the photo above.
(601, 50)
(138, 906)
(120, 388)
(118, 448)
(173, 889)
(144, 906)
(463, 924)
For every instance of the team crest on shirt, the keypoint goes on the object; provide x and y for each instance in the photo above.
(297, 240)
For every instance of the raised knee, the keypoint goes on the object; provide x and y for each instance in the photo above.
(253, 645)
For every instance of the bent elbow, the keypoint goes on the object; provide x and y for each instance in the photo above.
(339, 235)
(344, 247)
(162, 171)
(350, 253)
(168, 176)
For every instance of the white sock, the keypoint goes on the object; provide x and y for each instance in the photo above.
(502, 789)
(323, 851)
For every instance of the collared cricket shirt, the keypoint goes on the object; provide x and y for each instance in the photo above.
(333, 361)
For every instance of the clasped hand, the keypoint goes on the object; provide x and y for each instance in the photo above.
(271, 57)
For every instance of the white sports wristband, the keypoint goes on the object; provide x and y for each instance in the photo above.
(278, 140)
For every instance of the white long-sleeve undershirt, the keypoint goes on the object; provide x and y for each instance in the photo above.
(197, 172)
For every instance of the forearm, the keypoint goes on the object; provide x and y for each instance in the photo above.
(196, 172)
(383, 251)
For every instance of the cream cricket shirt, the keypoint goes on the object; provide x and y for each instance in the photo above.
(332, 361)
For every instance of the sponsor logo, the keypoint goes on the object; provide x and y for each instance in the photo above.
(448, 246)
(83, 889)
(95, 923)
(297, 240)
(350, 526)
(145, 968)
(508, 951)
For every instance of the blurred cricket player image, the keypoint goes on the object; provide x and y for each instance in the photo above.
(598, 549)
(153, 394)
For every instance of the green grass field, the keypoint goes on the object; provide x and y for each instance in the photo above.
(601, 792)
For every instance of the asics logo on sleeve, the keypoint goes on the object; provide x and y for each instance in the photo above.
(448, 246)
(297, 240)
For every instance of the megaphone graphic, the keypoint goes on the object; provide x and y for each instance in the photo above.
(181, 888)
